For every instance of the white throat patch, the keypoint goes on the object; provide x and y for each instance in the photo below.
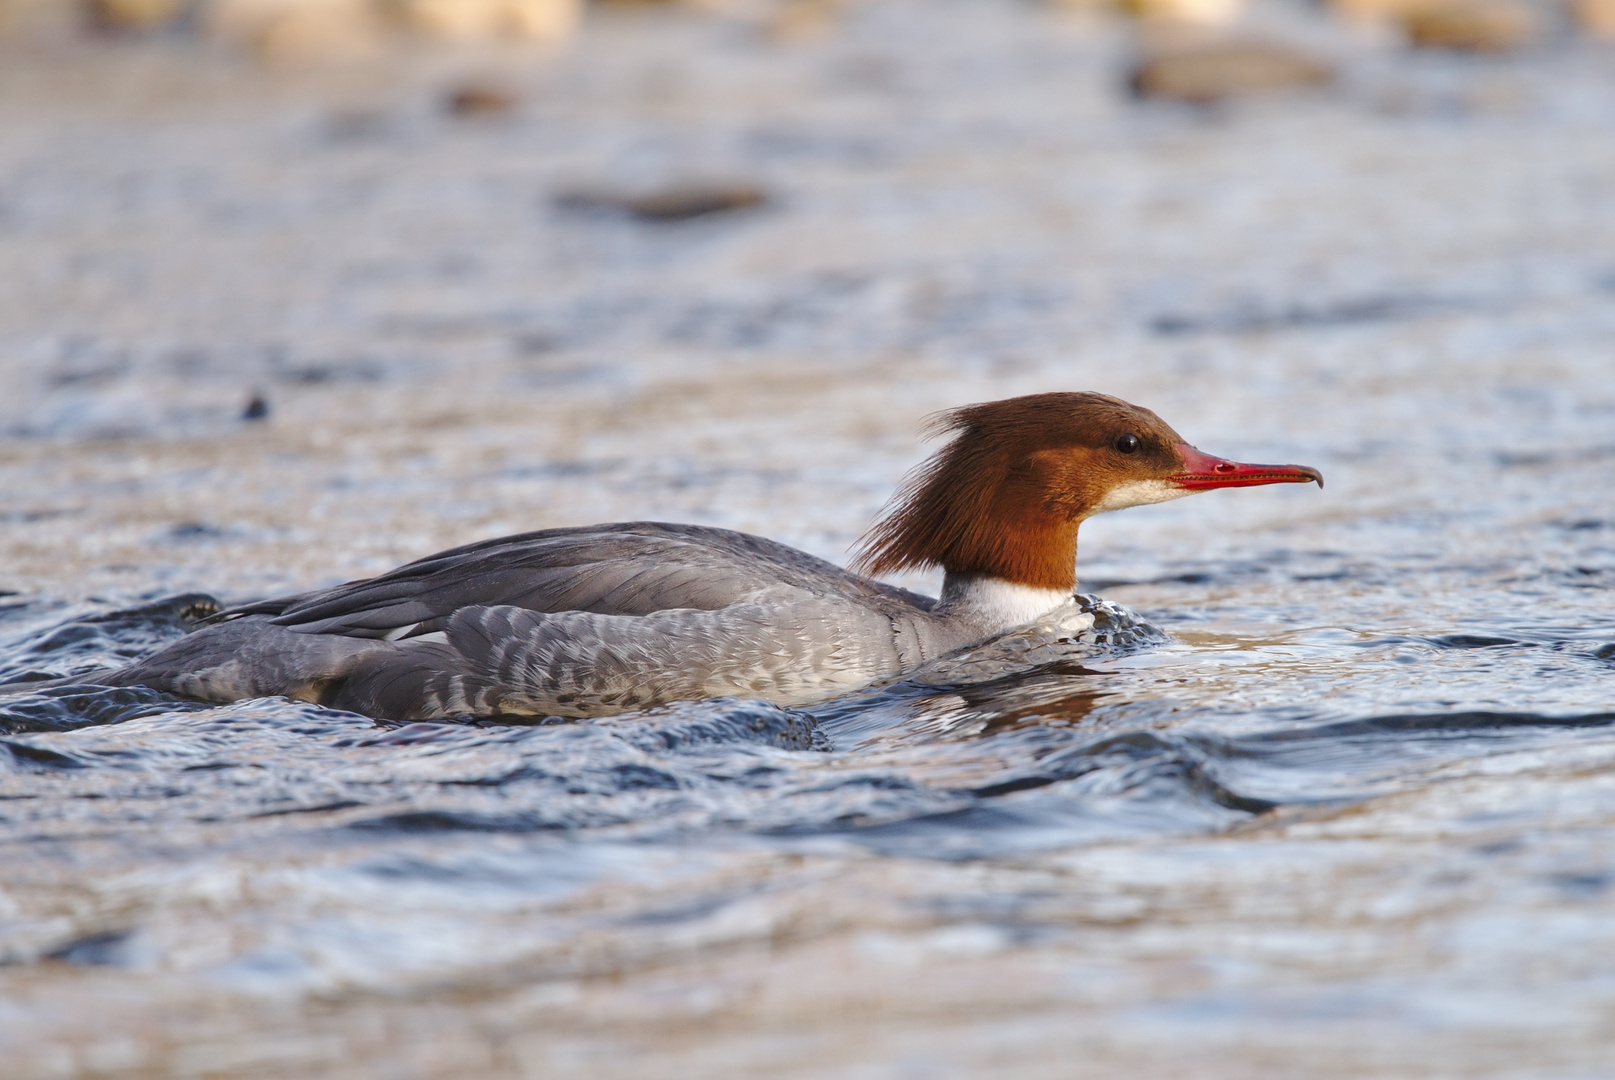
(1138, 493)
(997, 604)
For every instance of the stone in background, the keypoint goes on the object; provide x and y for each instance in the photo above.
(297, 29)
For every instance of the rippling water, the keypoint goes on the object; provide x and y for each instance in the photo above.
(1055, 735)
(1327, 789)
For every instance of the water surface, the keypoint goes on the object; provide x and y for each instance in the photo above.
(1329, 790)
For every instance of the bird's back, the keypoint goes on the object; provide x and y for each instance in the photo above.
(577, 622)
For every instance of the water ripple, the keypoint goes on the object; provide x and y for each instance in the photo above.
(1056, 734)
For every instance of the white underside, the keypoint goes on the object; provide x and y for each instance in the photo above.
(1138, 493)
(997, 604)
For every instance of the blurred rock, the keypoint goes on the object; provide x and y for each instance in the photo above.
(1212, 72)
(298, 30)
(135, 15)
(1472, 26)
(1376, 10)
(257, 408)
(466, 20)
(678, 202)
(802, 20)
(301, 29)
(328, 34)
(476, 99)
(1200, 12)
(1597, 17)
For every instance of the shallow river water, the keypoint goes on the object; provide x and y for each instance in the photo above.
(1329, 790)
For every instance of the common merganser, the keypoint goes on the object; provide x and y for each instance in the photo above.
(590, 621)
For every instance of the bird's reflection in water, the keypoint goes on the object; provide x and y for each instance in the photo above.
(1057, 695)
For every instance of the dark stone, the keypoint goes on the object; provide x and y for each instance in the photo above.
(677, 202)
(476, 100)
(1213, 72)
(257, 408)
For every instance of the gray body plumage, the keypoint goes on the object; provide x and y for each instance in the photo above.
(570, 622)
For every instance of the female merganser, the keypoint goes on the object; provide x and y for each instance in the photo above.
(600, 619)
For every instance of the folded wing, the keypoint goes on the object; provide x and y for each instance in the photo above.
(634, 568)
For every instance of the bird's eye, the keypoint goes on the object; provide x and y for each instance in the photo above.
(1126, 444)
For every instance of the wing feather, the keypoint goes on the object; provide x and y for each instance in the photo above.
(635, 568)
